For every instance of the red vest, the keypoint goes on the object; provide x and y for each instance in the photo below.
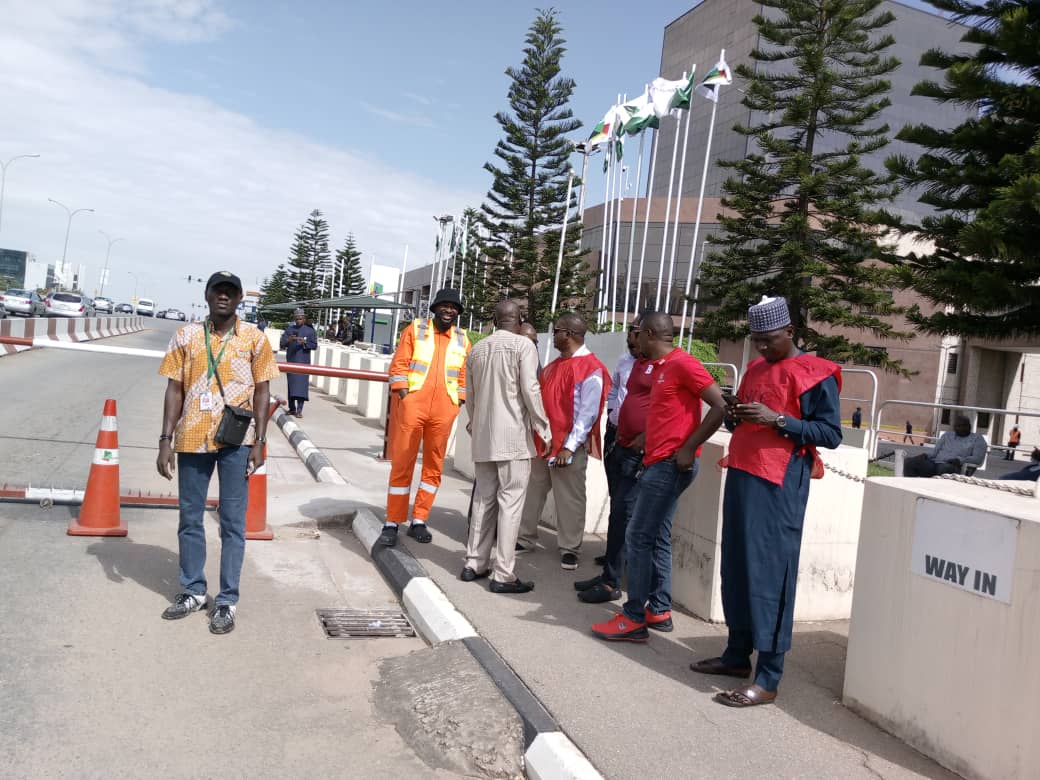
(760, 449)
(558, 380)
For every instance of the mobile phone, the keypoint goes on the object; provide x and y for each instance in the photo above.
(730, 399)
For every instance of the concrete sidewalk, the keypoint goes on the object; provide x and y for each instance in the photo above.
(632, 709)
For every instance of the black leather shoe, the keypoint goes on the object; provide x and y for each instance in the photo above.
(468, 575)
(388, 536)
(599, 594)
(580, 585)
(600, 560)
(516, 586)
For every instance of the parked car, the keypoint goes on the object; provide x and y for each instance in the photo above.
(146, 307)
(176, 314)
(3, 312)
(68, 304)
(104, 305)
(161, 314)
(124, 308)
(25, 302)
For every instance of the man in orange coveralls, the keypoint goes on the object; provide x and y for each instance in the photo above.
(428, 376)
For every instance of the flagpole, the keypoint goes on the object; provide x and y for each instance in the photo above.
(400, 294)
(559, 257)
(617, 244)
(603, 237)
(667, 213)
(646, 220)
(700, 205)
(678, 208)
(632, 229)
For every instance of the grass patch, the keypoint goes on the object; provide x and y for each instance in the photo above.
(879, 470)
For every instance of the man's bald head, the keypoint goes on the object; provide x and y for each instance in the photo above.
(528, 331)
(573, 324)
(660, 323)
(507, 316)
(655, 334)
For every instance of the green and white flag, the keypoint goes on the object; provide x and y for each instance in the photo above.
(609, 127)
(640, 114)
(720, 76)
(669, 97)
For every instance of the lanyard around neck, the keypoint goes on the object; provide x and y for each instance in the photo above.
(212, 368)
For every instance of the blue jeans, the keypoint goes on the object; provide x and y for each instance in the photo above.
(194, 470)
(649, 538)
(623, 466)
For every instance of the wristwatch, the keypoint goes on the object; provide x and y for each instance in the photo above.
(780, 421)
(260, 440)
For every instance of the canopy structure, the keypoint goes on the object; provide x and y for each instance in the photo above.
(346, 302)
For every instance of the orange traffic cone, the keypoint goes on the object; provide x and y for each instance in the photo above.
(256, 508)
(99, 515)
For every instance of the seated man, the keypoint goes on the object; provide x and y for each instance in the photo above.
(1030, 472)
(955, 448)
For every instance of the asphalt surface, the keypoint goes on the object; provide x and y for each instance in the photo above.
(633, 709)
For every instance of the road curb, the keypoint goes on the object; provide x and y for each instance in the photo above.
(549, 753)
(314, 459)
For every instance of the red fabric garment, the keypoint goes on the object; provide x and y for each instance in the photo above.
(761, 449)
(632, 415)
(675, 404)
(558, 380)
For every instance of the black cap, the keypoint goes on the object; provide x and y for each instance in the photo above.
(448, 295)
(224, 277)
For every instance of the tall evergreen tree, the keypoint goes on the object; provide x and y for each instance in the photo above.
(982, 177)
(309, 259)
(525, 205)
(805, 210)
(275, 288)
(350, 280)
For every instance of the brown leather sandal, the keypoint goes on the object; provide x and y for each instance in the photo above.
(751, 696)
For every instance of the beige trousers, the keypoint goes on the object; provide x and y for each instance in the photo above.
(498, 501)
(568, 488)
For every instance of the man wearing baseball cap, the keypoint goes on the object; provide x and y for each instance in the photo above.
(787, 406)
(428, 382)
(221, 361)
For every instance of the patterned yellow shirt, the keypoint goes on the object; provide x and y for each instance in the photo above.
(247, 360)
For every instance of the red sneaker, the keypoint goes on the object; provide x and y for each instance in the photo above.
(662, 622)
(621, 629)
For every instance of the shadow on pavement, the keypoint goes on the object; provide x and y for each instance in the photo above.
(149, 565)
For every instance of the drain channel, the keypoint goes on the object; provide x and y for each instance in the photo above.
(361, 623)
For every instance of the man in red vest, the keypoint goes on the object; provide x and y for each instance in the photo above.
(787, 405)
(574, 388)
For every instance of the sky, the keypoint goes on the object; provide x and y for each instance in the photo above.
(203, 132)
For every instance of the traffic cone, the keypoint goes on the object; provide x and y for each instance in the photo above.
(256, 508)
(99, 514)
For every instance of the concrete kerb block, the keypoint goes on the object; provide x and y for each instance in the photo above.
(366, 528)
(552, 756)
(314, 459)
(433, 614)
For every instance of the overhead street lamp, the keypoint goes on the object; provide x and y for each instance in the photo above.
(68, 228)
(135, 287)
(104, 274)
(3, 181)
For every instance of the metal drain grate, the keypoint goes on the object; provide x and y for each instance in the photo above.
(360, 623)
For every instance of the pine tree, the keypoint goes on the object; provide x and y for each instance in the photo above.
(310, 261)
(350, 280)
(525, 205)
(805, 210)
(275, 289)
(982, 177)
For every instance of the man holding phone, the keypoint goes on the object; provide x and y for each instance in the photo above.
(299, 340)
(788, 405)
(221, 347)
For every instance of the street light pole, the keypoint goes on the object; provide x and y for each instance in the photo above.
(104, 274)
(135, 287)
(68, 228)
(3, 181)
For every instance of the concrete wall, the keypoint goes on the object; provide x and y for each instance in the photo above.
(71, 329)
(949, 671)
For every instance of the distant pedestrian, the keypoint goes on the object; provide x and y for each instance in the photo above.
(857, 417)
(909, 434)
(1014, 439)
(504, 405)
(219, 363)
(428, 380)
(787, 406)
(298, 341)
(261, 324)
(574, 387)
(528, 331)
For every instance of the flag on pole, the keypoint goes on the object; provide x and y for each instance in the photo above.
(664, 98)
(720, 76)
(640, 114)
(609, 127)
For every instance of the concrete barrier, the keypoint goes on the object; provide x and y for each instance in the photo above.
(945, 622)
(337, 359)
(349, 388)
(66, 329)
(372, 396)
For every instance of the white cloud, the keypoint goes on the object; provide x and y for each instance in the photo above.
(416, 120)
(192, 187)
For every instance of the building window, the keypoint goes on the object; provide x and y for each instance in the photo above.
(983, 420)
(951, 364)
(945, 417)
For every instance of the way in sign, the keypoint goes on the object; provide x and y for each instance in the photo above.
(951, 571)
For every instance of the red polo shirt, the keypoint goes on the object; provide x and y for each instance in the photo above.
(675, 404)
(632, 415)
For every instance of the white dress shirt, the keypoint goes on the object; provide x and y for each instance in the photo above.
(619, 386)
(587, 395)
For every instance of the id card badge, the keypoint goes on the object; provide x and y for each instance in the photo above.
(206, 402)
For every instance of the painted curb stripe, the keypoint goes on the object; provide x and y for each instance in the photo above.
(552, 756)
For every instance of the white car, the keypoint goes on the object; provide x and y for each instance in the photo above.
(146, 307)
(104, 305)
(24, 302)
(176, 314)
(68, 304)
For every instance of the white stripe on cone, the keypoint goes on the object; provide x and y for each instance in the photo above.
(109, 424)
(106, 457)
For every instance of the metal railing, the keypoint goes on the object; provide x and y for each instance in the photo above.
(732, 367)
(872, 432)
